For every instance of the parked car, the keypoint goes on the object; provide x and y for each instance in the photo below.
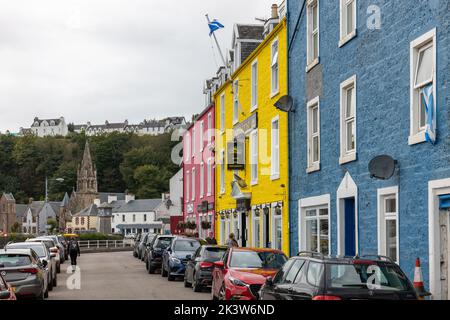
(137, 241)
(149, 242)
(61, 247)
(199, 268)
(242, 272)
(44, 255)
(156, 250)
(22, 269)
(6, 291)
(51, 245)
(311, 276)
(130, 236)
(176, 256)
(140, 246)
(65, 243)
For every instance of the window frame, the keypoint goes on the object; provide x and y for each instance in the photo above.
(202, 127)
(188, 186)
(275, 170)
(383, 195)
(313, 165)
(222, 173)
(417, 133)
(254, 85)
(235, 101)
(202, 182)
(273, 227)
(310, 34)
(256, 221)
(275, 68)
(193, 184)
(347, 155)
(254, 153)
(193, 144)
(209, 179)
(346, 36)
(222, 113)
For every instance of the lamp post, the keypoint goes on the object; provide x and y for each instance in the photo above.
(46, 186)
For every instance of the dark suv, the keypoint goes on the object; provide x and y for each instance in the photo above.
(155, 252)
(312, 276)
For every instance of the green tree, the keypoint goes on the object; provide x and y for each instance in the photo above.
(151, 180)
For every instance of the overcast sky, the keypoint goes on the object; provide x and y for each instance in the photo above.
(97, 60)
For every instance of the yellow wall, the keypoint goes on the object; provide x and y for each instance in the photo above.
(267, 190)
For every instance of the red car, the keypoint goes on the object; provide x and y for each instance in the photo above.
(6, 292)
(242, 271)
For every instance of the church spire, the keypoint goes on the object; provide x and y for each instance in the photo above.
(87, 173)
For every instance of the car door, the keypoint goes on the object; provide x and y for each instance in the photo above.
(270, 292)
(192, 264)
(283, 290)
(308, 282)
(218, 274)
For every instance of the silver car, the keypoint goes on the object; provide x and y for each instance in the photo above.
(23, 270)
(47, 258)
(52, 246)
(61, 247)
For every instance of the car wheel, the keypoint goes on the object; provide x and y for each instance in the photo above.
(196, 286)
(46, 293)
(170, 278)
(41, 295)
(50, 284)
(55, 282)
(150, 268)
(163, 272)
(213, 296)
(134, 254)
(222, 293)
(58, 268)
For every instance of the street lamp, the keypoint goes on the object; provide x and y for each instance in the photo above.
(46, 186)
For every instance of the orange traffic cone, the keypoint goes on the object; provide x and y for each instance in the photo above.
(418, 282)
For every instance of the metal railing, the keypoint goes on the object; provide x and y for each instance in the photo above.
(97, 244)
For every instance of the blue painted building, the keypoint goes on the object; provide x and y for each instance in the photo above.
(371, 78)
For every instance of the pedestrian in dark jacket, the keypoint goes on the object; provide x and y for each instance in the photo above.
(74, 252)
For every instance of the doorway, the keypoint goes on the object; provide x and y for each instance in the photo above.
(444, 224)
(350, 227)
(266, 229)
(243, 229)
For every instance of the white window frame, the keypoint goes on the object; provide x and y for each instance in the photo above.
(223, 231)
(275, 150)
(235, 102)
(209, 179)
(348, 155)
(202, 128)
(254, 157)
(274, 218)
(188, 186)
(193, 144)
(256, 220)
(310, 33)
(222, 113)
(417, 134)
(345, 35)
(254, 86)
(202, 180)
(312, 165)
(383, 195)
(210, 128)
(193, 184)
(275, 68)
(319, 202)
(222, 172)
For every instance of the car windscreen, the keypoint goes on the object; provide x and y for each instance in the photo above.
(11, 260)
(370, 276)
(186, 245)
(39, 249)
(48, 243)
(253, 259)
(214, 254)
(163, 243)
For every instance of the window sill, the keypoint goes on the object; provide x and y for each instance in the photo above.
(347, 38)
(312, 64)
(253, 108)
(221, 132)
(313, 168)
(235, 122)
(347, 158)
(254, 183)
(274, 94)
(208, 194)
(417, 138)
(275, 177)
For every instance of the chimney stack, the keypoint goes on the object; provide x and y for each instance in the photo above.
(275, 11)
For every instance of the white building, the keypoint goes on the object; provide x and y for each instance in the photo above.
(47, 127)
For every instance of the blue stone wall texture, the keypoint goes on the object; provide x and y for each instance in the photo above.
(381, 61)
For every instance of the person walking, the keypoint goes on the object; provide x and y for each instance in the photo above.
(231, 242)
(74, 252)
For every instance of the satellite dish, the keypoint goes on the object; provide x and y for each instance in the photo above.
(382, 167)
(285, 103)
(240, 181)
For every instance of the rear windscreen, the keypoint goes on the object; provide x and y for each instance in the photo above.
(163, 243)
(14, 260)
(38, 249)
(375, 276)
(214, 253)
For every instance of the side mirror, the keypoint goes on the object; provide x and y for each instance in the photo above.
(44, 263)
(5, 295)
(269, 281)
(189, 257)
(219, 264)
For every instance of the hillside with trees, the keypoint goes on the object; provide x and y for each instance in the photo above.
(139, 164)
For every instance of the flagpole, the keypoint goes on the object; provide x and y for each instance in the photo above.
(217, 43)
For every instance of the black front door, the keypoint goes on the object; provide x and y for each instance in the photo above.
(243, 229)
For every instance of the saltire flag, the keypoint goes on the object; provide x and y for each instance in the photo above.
(428, 99)
(214, 26)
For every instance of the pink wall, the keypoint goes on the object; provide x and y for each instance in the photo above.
(197, 154)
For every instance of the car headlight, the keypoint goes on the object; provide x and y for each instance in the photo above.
(175, 260)
(237, 282)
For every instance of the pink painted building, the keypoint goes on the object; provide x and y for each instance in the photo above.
(198, 173)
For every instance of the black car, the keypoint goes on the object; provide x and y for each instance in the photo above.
(311, 276)
(146, 246)
(156, 250)
(199, 268)
(176, 256)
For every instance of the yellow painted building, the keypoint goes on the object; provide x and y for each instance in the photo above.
(252, 199)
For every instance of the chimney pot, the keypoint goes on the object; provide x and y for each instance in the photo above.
(275, 11)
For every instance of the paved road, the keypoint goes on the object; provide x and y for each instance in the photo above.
(119, 276)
